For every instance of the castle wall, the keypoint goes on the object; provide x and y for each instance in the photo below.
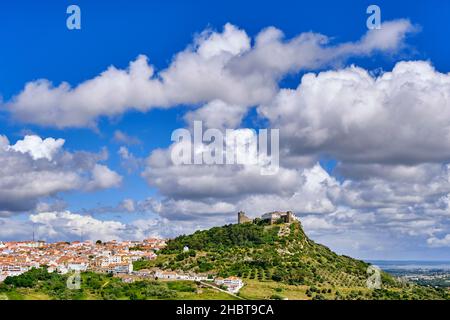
(271, 217)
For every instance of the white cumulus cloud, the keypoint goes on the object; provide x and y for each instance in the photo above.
(217, 66)
(36, 168)
(37, 147)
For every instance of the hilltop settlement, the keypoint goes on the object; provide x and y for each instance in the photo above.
(268, 257)
(113, 257)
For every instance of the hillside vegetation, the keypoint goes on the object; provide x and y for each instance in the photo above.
(284, 261)
(38, 284)
(274, 261)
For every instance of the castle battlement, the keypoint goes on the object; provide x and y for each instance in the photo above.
(271, 217)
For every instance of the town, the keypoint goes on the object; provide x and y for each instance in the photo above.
(113, 257)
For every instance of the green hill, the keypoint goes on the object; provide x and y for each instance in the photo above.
(280, 261)
(274, 261)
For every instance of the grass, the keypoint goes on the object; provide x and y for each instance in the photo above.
(147, 264)
(189, 290)
(33, 295)
(206, 294)
(186, 290)
(255, 289)
(14, 295)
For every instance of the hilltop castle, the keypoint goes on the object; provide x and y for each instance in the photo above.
(270, 217)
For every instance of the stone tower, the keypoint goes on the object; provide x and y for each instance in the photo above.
(242, 218)
(289, 217)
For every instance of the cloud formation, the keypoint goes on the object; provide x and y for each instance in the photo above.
(67, 226)
(217, 66)
(37, 147)
(400, 117)
(123, 138)
(35, 168)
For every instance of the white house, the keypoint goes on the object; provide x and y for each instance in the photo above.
(120, 268)
(233, 284)
(75, 266)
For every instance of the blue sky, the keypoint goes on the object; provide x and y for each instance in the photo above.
(38, 45)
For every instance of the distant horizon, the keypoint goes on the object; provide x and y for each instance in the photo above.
(380, 260)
